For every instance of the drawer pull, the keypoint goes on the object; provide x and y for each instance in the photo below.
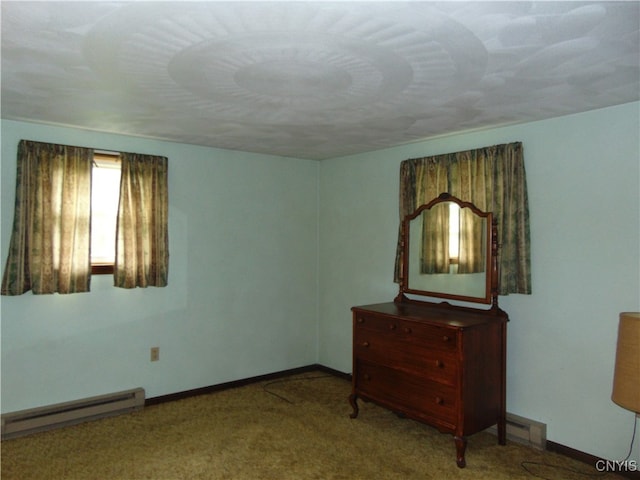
(365, 344)
(446, 338)
(439, 364)
(407, 330)
(392, 326)
(366, 376)
(439, 401)
(360, 320)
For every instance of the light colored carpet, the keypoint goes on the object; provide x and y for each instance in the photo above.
(294, 428)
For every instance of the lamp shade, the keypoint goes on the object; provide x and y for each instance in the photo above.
(626, 377)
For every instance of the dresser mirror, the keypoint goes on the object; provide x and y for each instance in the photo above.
(449, 251)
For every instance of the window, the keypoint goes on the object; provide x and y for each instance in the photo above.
(105, 191)
(493, 178)
(454, 232)
(54, 202)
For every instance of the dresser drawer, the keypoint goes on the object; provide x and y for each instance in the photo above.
(410, 394)
(425, 335)
(383, 348)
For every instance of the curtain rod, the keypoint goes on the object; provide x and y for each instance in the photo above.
(98, 151)
(107, 152)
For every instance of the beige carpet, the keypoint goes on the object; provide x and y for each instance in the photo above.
(294, 428)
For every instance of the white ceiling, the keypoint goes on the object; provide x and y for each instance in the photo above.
(313, 79)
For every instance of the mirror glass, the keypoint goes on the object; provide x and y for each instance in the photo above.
(448, 251)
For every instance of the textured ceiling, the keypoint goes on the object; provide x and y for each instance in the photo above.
(313, 79)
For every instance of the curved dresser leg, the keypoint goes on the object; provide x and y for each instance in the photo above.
(353, 400)
(461, 446)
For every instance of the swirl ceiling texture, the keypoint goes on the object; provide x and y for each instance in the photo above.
(313, 80)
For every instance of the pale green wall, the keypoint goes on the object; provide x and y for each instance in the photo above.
(241, 299)
(583, 175)
(240, 305)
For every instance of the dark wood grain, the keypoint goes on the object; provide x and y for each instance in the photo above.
(437, 364)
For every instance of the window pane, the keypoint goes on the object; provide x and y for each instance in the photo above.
(454, 230)
(104, 211)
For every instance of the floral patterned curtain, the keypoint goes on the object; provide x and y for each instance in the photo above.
(472, 243)
(50, 241)
(142, 239)
(493, 178)
(434, 250)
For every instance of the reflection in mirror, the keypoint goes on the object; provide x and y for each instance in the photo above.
(448, 251)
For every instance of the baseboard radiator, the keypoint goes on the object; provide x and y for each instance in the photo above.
(25, 422)
(525, 431)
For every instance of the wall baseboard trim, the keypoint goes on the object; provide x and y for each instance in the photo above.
(611, 467)
(550, 446)
(240, 383)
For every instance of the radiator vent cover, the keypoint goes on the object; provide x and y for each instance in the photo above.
(25, 422)
(524, 431)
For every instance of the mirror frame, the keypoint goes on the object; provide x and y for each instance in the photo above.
(491, 285)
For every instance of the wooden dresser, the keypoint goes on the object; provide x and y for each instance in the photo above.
(439, 364)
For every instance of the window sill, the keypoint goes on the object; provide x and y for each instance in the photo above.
(102, 269)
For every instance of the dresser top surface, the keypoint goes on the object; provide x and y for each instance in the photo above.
(433, 313)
